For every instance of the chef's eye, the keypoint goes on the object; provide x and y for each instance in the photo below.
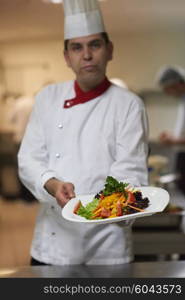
(96, 44)
(76, 47)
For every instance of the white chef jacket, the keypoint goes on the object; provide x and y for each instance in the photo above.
(179, 130)
(82, 144)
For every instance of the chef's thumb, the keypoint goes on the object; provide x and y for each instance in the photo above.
(70, 189)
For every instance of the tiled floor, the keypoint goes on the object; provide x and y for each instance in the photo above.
(17, 220)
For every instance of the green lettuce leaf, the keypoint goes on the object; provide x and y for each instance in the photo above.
(87, 211)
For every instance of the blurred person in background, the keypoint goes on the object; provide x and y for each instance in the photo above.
(172, 82)
(171, 79)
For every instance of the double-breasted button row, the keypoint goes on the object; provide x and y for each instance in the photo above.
(60, 126)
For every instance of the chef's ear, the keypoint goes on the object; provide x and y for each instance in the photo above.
(110, 50)
(67, 58)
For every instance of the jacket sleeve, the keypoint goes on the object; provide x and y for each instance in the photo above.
(130, 164)
(33, 158)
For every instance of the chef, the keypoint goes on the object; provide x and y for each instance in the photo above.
(172, 81)
(80, 132)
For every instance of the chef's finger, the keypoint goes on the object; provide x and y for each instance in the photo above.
(62, 199)
(69, 188)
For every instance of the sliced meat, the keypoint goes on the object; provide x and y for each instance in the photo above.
(119, 209)
(105, 213)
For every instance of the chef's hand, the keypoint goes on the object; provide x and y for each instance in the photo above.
(62, 191)
(166, 138)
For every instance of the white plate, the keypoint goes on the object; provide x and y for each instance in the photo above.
(158, 198)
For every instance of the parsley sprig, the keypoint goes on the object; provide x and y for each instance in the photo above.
(114, 186)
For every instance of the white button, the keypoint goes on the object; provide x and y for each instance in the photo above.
(60, 126)
(68, 103)
(57, 155)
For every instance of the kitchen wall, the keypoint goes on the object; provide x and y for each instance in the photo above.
(28, 65)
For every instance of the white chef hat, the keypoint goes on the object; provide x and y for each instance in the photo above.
(82, 18)
(168, 75)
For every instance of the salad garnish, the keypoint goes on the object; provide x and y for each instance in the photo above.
(115, 200)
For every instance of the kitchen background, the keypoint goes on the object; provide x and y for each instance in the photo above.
(147, 34)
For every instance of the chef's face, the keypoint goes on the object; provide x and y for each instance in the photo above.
(175, 89)
(88, 57)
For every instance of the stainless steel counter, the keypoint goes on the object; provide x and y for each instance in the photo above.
(165, 269)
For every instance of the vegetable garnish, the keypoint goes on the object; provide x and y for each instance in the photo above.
(113, 186)
(116, 199)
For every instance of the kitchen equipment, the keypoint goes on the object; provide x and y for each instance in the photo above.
(164, 220)
(157, 165)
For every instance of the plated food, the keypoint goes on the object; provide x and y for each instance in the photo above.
(117, 199)
(115, 203)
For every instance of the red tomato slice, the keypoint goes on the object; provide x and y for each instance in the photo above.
(119, 209)
(131, 198)
(105, 213)
(102, 197)
(77, 206)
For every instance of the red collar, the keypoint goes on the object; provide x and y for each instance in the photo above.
(82, 97)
